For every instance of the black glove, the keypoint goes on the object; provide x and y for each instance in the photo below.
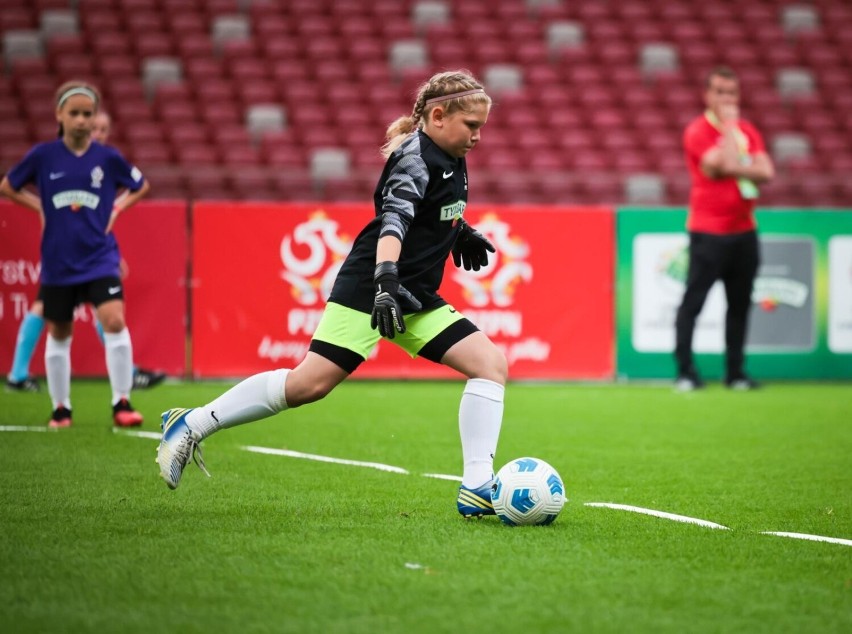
(471, 248)
(391, 296)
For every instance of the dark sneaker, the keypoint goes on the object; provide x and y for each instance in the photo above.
(144, 379)
(742, 384)
(29, 384)
(688, 382)
(123, 414)
(61, 418)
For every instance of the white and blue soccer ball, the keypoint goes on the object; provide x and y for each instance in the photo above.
(527, 491)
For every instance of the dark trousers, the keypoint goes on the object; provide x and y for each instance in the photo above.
(734, 260)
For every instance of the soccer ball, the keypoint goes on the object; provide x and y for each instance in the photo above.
(527, 491)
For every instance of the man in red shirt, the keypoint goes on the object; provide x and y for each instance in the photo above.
(727, 160)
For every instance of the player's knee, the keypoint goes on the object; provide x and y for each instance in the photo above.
(113, 323)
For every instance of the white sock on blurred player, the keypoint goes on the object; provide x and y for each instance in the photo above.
(57, 366)
(480, 418)
(259, 396)
(119, 362)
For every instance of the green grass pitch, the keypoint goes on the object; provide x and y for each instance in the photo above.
(91, 540)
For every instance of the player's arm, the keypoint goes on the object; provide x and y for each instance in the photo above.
(719, 162)
(23, 197)
(391, 296)
(125, 201)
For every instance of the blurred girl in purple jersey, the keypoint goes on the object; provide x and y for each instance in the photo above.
(78, 182)
(32, 325)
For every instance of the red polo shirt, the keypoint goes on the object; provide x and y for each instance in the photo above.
(715, 204)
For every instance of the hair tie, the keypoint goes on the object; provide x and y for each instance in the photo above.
(78, 90)
(455, 95)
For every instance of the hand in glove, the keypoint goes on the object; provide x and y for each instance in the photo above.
(471, 248)
(390, 294)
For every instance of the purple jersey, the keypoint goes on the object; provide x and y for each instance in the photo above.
(77, 195)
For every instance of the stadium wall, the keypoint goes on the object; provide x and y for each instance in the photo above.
(574, 293)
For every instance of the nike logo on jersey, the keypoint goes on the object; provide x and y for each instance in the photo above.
(55, 175)
(446, 175)
(112, 290)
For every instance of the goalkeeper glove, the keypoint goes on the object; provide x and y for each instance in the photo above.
(387, 311)
(471, 248)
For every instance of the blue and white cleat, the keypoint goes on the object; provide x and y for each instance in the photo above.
(475, 502)
(178, 445)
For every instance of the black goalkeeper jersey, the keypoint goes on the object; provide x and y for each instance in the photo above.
(421, 192)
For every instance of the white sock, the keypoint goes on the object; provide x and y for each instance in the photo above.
(119, 362)
(259, 396)
(480, 417)
(57, 365)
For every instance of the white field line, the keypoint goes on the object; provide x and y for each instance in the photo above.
(813, 538)
(318, 458)
(155, 435)
(662, 514)
(26, 428)
(443, 476)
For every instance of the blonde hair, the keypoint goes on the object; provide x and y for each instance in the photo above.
(439, 85)
(74, 85)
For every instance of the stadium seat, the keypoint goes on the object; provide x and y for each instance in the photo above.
(21, 44)
(327, 163)
(227, 28)
(658, 58)
(644, 189)
(500, 79)
(58, 22)
(264, 118)
(408, 54)
(156, 70)
(799, 18)
(790, 146)
(426, 13)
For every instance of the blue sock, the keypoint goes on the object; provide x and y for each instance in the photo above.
(28, 336)
(100, 330)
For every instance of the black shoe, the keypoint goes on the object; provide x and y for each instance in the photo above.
(61, 418)
(29, 384)
(688, 382)
(742, 383)
(143, 379)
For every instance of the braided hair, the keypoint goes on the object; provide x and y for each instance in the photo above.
(445, 83)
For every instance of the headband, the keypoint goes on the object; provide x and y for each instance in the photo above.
(78, 90)
(455, 95)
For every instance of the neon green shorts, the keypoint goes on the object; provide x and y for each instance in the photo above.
(350, 329)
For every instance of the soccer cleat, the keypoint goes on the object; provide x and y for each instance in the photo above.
(475, 502)
(61, 418)
(123, 414)
(178, 445)
(28, 384)
(144, 379)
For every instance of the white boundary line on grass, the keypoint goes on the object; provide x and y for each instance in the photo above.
(662, 514)
(154, 435)
(813, 538)
(26, 428)
(443, 476)
(318, 458)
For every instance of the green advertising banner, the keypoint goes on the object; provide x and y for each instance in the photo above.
(801, 321)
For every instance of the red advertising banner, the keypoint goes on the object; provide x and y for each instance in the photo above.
(262, 274)
(153, 240)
